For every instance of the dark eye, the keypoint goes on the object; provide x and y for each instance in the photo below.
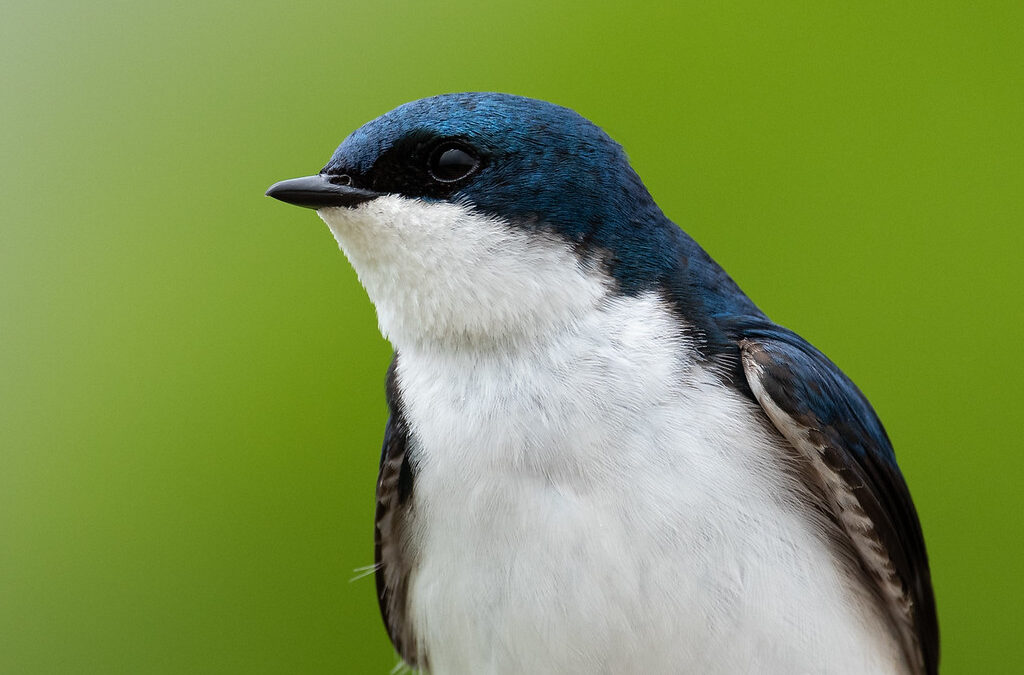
(450, 162)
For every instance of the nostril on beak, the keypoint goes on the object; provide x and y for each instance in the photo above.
(340, 179)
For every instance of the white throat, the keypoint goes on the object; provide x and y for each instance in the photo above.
(442, 273)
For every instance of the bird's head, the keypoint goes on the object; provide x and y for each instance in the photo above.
(486, 218)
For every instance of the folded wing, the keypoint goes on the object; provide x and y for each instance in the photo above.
(832, 426)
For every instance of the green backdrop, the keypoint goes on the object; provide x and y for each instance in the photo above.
(191, 379)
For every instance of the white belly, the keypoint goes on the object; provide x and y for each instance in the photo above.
(605, 505)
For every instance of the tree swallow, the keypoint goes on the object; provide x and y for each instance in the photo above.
(601, 456)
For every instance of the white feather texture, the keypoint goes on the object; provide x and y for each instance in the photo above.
(588, 497)
(439, 274)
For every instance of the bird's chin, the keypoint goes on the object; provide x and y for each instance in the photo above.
(341, 219)
(441, 272)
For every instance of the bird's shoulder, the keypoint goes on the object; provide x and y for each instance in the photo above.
(834, 429)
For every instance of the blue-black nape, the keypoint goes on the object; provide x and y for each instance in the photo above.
(539, 165)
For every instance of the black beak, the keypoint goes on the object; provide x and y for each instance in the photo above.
(316, 192)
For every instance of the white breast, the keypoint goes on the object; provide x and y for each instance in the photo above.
(600, 503)
(588, 498)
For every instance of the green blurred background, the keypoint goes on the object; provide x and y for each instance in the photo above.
(191, 396)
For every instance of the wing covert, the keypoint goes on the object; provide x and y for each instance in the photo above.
(828, 420)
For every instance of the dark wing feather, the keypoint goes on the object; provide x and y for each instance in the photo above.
(392, 558)
(832, 425)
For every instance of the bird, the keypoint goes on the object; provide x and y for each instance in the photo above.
(601, 456)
